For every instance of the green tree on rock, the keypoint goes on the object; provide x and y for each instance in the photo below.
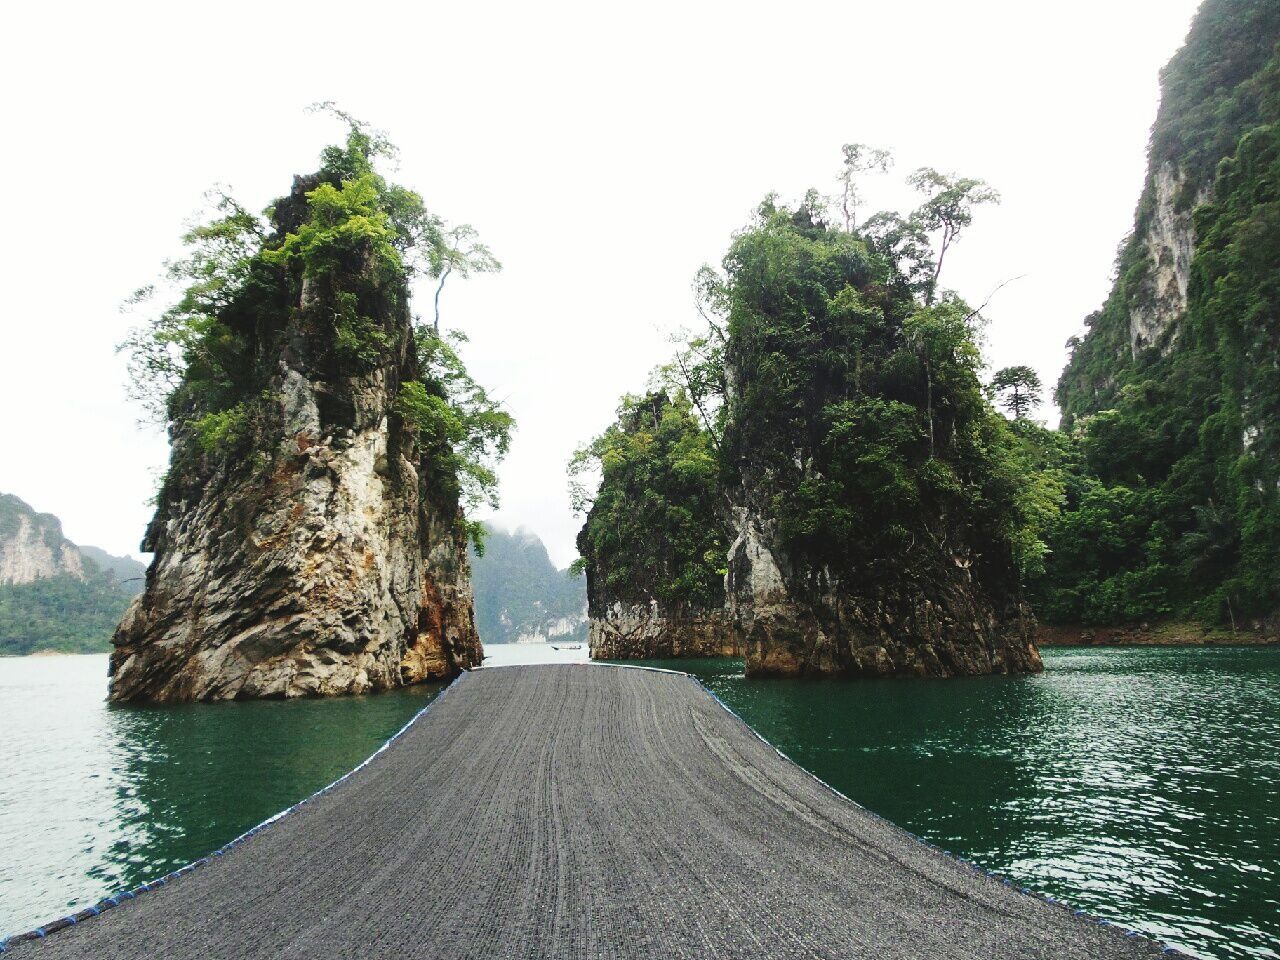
(947, 211)
(327, 270)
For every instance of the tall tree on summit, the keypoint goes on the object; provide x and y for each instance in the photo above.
(1018, 388)
(947, 211)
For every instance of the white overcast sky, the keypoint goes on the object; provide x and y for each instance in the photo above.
(604, 151)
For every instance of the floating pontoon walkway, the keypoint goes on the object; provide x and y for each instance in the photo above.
(582, 812)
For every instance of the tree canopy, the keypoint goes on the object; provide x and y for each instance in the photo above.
(833, 361)
(1018, 389)
(655, 526)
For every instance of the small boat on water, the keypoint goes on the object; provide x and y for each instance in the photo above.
(566, 646)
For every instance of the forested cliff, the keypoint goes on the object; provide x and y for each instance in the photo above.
(821, 470)
(56, 595)
(653, 545)
(520, 595)
(309, 536)
(1170, 443)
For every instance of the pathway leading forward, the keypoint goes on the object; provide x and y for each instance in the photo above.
(582, 812)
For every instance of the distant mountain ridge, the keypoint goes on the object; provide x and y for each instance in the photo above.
(129, 573)
(55, 595)
(520, 596)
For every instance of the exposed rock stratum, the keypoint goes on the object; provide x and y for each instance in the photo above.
(319, 560)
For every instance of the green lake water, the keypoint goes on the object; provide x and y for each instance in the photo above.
(97, 798)
(1141, 785)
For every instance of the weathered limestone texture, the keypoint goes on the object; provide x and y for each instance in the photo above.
(323, 561)
(32, 546)
(1170, 240)
(797, 622)
(644, 631)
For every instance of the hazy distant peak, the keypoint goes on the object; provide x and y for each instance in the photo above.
(125, 569)
(520, 596)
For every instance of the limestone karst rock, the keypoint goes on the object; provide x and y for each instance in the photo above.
(32, 546)
(54, 594)
(622, 630)
(1213, 92)
(320, 554)
(1172, 390)
(795, 620)
(653, 540)
(869, 478)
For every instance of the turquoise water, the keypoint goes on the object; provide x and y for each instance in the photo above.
(97, 798)
(1142, 785)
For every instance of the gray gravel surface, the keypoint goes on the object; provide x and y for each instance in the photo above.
(583, 811)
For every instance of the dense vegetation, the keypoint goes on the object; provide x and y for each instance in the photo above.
(1168, 457)
(353, 243)
(519, 592)
(61, 612)
(857, 394)
(656, 526)
(860, 398)
(1215, 89)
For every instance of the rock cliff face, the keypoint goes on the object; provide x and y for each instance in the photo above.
(1173, 392)
(800, 622)
(54, 594)
(1169, 242)
(621, 630)
(1213, 91)
(318, 558)
(32, 546)
(634, 631)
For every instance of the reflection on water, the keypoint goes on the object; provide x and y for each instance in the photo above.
(95, 798)
(1141, 785)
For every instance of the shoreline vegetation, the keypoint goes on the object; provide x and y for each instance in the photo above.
(1174, 634)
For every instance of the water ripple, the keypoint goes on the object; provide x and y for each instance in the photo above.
(1141, 785)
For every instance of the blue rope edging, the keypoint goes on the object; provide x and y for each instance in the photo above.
(115, 899)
